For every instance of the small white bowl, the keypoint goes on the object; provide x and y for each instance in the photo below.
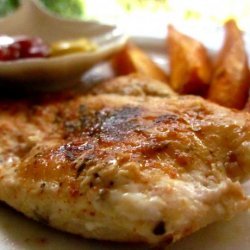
(54, 73)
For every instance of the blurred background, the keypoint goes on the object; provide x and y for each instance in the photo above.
(167, 10)
(150, 17)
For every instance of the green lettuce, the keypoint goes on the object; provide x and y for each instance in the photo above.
(66, 8)
(7, 6)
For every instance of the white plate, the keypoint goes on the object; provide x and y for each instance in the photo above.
(19, 233)
(53, 73)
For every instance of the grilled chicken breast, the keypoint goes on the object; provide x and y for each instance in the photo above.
(124, 168)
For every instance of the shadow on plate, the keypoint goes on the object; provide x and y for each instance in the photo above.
(18, 232)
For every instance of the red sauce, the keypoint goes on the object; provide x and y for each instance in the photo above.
(21, 47)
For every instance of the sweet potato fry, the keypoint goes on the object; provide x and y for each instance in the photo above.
(230, 82)
(190, 66)
(133, 60)
(247, 106)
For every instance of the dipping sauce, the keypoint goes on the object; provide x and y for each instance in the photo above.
(71, 46)
(21, 47)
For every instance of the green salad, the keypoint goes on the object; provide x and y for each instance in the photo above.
(66, 8)
(7, 6)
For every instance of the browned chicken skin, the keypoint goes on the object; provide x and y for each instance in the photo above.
(124, 168)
